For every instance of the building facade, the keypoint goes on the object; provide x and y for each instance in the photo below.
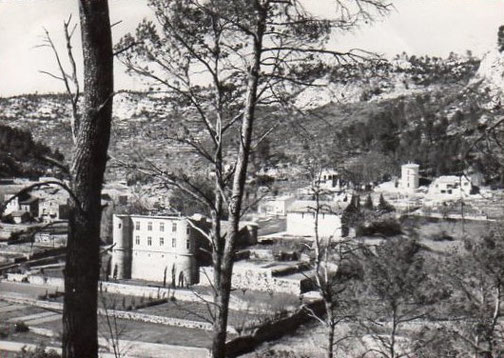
(301, 219)
(157, 248)
(451, 186)
(274, 206)
(52, 210)
(329, 180)
(23, 203)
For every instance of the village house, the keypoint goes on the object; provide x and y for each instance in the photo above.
(275, 206)
(450, 186)
(118, 192)
(12, 205)
(301, 219)
(23, 203)
(52, 210)
(53, 205)
(247, 232)
(329, 179)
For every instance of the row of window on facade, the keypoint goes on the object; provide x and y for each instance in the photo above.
(322, 215)
(161, 241)
(161, 226)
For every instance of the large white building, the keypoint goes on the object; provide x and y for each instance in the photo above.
(450, 186)
(157, 248)
(301, 219)
(410, 177)
(166, 249)
(273, 206)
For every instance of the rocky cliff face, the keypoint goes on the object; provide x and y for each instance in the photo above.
(489, 78)
(416, 93)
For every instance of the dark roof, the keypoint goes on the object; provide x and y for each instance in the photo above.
(19, 213)
(29, 200)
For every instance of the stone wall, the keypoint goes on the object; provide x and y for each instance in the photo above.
(113, 287)
(149, 291)
(129, 315)
(163, 320)
(259, 279)
(56, 283)
(261, 254)
(184, 295)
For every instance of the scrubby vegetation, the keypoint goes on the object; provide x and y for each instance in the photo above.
(419, 110)
(21, 156)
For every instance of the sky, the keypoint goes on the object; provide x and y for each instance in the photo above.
(418, 27)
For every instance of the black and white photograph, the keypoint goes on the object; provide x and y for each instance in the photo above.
(251, 178)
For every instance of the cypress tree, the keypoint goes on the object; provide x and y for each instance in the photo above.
(384, 206)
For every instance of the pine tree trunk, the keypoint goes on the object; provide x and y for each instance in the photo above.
(220, 320)
(83, 262)
(223, 286)
(223, 290)
(330, 340)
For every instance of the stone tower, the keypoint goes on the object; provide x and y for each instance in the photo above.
(185, 261)
(122, 251)
(410, 177)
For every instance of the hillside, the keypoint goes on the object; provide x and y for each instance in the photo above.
(21, 156)
(423, 109)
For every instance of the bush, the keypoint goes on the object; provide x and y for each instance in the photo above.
(384, 206)
(38, 352)
(21, 327)
(272, 353)
(442, 236)
(500, 39)
(385, 228)
(368, 205)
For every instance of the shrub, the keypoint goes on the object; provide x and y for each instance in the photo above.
(442, 236)
(384, 206)
(21, 327)
(500, 39)
(272, 353)
(387, 228)
(38, 352)
(368, 205)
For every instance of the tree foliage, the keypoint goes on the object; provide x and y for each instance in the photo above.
(352, 215)
(221, 61)
(368, 204)
(384, 206)
(399, 291)
(20, 155)
(500, 39)
(475, 277)
(39, 352)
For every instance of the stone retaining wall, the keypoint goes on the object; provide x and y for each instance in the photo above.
(130, 290)
(163, 320)
(128, 315)
(258, 279)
